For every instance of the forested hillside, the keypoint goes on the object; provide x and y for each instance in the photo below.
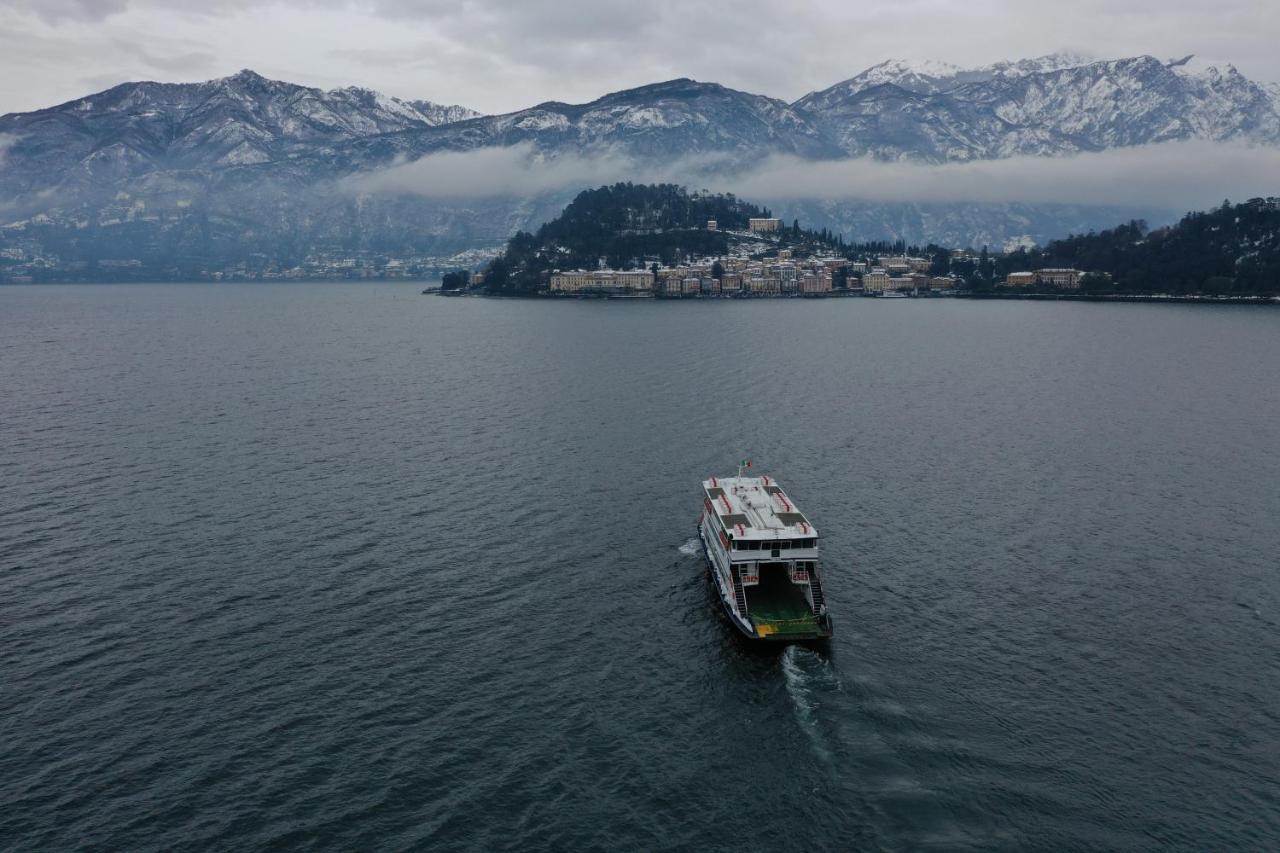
(627, 226)
(1233, 249)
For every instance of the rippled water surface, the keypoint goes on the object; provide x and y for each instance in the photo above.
(344, 566)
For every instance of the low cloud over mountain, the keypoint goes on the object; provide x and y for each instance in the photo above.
(1172, 175)
(1013, 151)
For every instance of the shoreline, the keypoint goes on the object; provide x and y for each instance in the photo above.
(1199, 298)
(1153, 298)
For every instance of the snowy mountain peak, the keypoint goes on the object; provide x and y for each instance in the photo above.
(1050, 62)
(927, 77)
(893, 69)
(263, 157)
(915, 75)
(1199, 67)
(1050, 105)
(248, 80)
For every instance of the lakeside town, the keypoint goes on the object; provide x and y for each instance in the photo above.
(780, 272)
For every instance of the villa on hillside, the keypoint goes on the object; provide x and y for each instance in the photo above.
(1065, 279)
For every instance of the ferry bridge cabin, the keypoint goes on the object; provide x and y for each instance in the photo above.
(757, 524)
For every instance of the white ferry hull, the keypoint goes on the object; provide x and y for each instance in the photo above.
(719, 574)
(721, 569)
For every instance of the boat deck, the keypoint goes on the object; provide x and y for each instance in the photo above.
(756, 508)
(779, 607)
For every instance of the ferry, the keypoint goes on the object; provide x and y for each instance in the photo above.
(763, 555)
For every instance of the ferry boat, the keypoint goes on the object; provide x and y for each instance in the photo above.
(763, 554)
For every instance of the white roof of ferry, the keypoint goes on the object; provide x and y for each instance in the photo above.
(756, 508)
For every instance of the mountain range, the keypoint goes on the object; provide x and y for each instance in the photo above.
(246, 164)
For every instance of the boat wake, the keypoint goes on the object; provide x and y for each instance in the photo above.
(808, 677)
(691, 548)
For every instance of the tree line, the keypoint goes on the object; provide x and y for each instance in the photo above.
(1233, 249)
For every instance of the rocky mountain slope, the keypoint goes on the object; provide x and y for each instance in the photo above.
(244, 162)
(137, 128)
(1046, 107)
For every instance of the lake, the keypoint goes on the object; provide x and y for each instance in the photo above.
(343, 566)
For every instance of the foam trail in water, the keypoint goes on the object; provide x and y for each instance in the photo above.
(807, 673)
(690, 548)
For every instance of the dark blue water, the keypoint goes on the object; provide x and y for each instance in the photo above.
(338, 566)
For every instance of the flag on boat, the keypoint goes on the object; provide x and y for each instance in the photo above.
(746, 463)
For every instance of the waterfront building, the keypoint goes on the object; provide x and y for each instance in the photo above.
(905, 263)
(876, 281)
(765, 286)
(1067, 279)
(813, 283)
(1020, 279)
(601, 281)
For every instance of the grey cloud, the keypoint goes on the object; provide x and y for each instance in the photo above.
(98, 62)
(1183, 175)
(1175, 175)
(92, 10)
(496, 55)
(56, 11)
(517, 170)
(188, 61)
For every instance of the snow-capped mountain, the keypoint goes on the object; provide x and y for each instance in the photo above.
(1045, 107)
(677, 118)
(263, 162)
(139, 128)
(928, 76)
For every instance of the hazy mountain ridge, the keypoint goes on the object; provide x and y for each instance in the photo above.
(1046, 107)
(136, 128)
(266, 159)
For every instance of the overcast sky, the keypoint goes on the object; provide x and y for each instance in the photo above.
(499, 56)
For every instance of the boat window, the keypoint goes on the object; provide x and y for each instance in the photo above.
(753, 546)
(782, 544)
